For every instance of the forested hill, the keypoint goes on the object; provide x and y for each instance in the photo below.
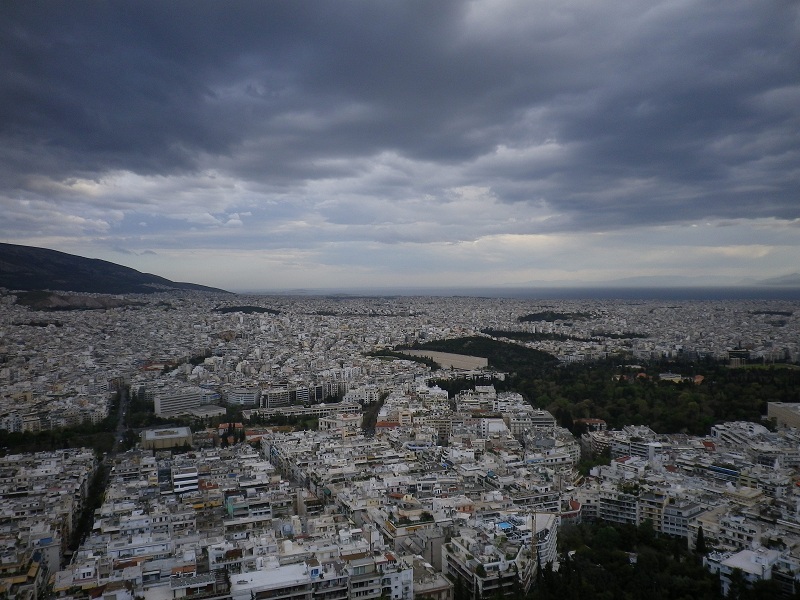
(29, 268)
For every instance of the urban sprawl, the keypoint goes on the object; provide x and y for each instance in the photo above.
(441, 494)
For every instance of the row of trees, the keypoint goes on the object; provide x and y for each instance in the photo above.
(81, 436)
(369, 415)
(501, 355)
(280, 420)
(98, 436)
(390, 354)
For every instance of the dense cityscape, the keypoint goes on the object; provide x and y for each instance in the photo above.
(227, 446)
(452, 300)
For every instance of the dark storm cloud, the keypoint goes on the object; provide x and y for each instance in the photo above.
(644, 113)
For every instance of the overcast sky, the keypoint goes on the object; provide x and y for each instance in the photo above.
(275, 145)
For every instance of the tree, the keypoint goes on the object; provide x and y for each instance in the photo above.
(700, 543)
(459, 589)
(738, 585)
(646, 533)
(763, 588)
(606, 539)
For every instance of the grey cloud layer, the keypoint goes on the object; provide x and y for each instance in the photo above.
(596, 115)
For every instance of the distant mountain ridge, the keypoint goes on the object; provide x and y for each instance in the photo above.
(792, 280)
(654, 281)
(31, 268)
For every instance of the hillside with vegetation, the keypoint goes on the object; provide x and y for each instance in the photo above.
(29, 268)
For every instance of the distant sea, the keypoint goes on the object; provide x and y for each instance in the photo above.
(571, 293)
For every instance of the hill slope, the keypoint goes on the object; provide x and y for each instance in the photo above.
(29, 268)
(791, 280)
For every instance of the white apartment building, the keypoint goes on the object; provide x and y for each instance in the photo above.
(245, 396)
(754, 565)
(184, 479)
(177, 401)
